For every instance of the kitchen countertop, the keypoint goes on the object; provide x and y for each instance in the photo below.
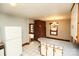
(55, 42)
(52, 42)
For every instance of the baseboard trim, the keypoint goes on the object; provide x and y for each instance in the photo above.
(58, 39)
(25, 44)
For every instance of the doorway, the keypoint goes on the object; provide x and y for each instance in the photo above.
(39, 29)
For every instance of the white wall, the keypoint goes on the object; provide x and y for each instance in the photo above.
(8, 20)
(74, 21)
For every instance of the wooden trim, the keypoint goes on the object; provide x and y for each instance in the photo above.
(25, 44)
(1, 47)
(30, 28)
(72, 7)
(77, 41)
(58, 39)
(53, 30)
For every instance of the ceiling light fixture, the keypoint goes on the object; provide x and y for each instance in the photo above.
(54, 22)
(13, 4)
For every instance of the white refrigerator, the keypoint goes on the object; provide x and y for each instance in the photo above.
(12, 40)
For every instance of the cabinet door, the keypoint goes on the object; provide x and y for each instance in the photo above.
(58, 51)
(50, 49)
(43, 49)
(2, 52)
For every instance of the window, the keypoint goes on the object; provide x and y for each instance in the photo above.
(53, 29)
(31, 28)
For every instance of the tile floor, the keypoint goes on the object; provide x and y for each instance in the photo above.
(33, 49)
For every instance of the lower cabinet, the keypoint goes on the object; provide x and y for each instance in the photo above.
(43, 49)
(58, 51)
(51, 50)
(1, 52)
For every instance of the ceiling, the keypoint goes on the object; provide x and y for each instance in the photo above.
(43, 11)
